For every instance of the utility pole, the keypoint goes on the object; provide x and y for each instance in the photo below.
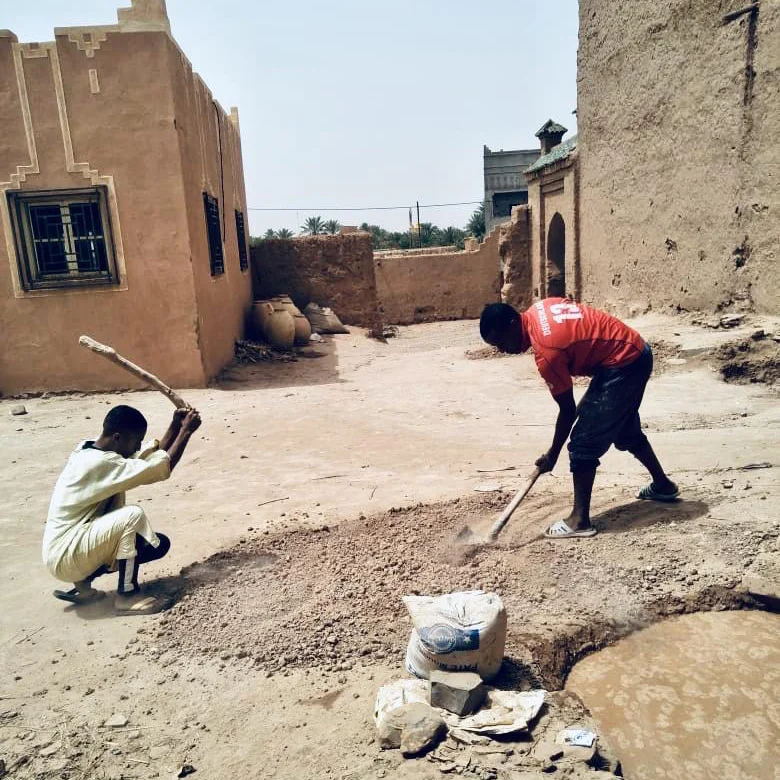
(419, 227)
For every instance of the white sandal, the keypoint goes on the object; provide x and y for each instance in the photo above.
(561, 530)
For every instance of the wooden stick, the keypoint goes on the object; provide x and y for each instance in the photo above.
(30, 635)
(748, 9)
(111, 354)
(274, 501)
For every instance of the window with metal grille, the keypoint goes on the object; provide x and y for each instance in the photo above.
(243, 257)
(214, 230)
(63, 238)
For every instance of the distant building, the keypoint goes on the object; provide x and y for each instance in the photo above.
(505, 183)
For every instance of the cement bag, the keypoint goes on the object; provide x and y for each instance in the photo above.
(323, 320)
(457, 632)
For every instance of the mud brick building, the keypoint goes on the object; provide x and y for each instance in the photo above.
(122, 209)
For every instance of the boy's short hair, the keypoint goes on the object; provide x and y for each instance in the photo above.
(496, 319)
(124, 419)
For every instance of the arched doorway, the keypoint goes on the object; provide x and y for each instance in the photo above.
(556, 257)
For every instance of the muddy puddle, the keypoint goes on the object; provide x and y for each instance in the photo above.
(692, 698)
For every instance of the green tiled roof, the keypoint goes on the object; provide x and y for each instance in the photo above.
(560, 152)
(550, 128)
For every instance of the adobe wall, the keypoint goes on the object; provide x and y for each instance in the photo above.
(679, 154)
(335, 271)
(210, 158)
(424, 288)
(115, 128)
(517, 265)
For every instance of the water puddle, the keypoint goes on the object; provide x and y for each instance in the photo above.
(693, 698)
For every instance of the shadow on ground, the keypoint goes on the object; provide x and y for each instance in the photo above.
(315, 365)
(642, 514)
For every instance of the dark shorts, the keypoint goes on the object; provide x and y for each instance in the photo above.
(609, 413)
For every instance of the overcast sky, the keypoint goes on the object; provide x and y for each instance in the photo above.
(364, 103)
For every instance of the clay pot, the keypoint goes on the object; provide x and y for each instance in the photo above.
(302, 329)
(286, 303)
(261, 313)
(279, 329)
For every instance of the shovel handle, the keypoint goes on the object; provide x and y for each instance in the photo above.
(498, 526)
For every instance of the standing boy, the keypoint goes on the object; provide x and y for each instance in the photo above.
(571, 339)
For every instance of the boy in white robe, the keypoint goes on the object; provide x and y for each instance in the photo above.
(90, 531)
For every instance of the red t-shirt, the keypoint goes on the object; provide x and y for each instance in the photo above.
(571, 339)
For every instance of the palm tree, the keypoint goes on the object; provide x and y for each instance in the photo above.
(452, 236)
(269, 234)
(429, 234)
(331, 227)
(284, 233)
(313, 226)
(476, 224)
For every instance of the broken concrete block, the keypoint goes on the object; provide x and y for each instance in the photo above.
(390, 732)
(116, 722)
(423, 728)
(414, 728)
(459, 692)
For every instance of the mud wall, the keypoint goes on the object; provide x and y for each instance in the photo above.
(680, 165)
(428, 287)
(210, 159)
(335, 271)
(515, 249)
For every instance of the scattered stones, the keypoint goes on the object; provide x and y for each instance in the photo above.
(423, 728)
(116, 721)
(415, 728)
(185, 769)
(8, 714)
(731, 320)
(457, 692)
(18, 410)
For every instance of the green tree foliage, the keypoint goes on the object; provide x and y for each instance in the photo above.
(476, 223)
(313, 226)
(430, 235)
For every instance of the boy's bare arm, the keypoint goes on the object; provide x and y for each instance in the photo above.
(169, 437)
(189, 425)
(567, 415)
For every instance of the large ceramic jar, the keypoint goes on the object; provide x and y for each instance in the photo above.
(286, 303)
(279, 329)
(261, 313)
(302, 329)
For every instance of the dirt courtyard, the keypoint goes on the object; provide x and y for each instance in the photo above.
(317, 494)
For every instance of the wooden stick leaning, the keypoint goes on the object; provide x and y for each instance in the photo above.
(111, 354)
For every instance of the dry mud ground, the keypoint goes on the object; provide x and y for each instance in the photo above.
(370, 454)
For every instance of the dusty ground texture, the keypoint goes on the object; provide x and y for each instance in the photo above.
(317, 494)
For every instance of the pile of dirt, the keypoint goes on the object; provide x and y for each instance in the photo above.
(752, 360)
(485, 353)
(331, 597)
